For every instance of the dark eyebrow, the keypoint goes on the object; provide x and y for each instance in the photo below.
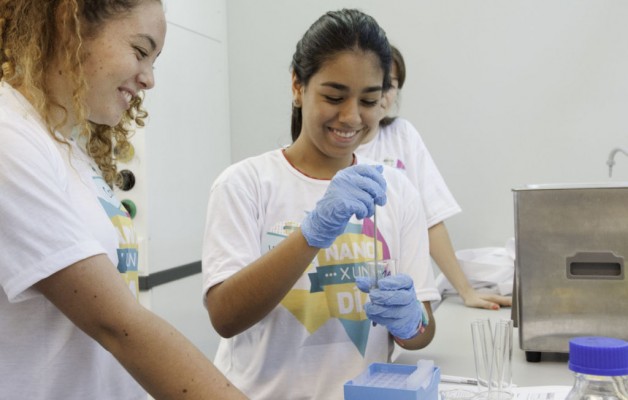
(339, 86)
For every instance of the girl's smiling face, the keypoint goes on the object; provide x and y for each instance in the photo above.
(119, 61)
(118, 64)
(341, 104)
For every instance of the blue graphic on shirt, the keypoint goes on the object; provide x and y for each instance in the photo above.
(128, 248)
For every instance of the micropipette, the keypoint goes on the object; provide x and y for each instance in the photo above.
(375, 246)
(375, 242)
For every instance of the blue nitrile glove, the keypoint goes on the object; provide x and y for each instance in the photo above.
(353, 191)
(393, 304)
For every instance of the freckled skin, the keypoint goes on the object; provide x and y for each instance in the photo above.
(112, 63)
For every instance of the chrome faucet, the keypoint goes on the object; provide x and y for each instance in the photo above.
(611, 159)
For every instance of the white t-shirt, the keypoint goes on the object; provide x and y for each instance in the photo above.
(399, 145)
(318, 337)
(53, 213)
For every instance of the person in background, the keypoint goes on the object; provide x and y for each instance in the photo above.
(72, 78)
(397, 143)
(286, 231)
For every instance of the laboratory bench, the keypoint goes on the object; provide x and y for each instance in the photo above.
(452, 348)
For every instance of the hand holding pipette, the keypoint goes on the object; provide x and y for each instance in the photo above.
(355, 190)
(394, 305)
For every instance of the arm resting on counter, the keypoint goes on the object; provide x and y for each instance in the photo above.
(443, 254)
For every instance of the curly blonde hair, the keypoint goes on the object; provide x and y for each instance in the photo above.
(32, 33)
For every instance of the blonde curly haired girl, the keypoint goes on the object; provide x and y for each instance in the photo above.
(31, 39)
(72, 78)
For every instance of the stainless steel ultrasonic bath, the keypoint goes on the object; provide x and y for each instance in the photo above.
(571, 243)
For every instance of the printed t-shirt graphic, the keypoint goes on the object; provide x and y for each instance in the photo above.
(332, 292)
(127, 249)
(394, 162)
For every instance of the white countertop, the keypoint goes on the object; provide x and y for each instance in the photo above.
(452, 348)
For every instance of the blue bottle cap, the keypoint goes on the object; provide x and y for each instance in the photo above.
(596, 355)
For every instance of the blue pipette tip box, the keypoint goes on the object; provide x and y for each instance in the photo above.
(390, 382)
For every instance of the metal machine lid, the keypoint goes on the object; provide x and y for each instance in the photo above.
(562, 186)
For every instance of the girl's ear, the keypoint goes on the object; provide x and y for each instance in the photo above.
(297, 91)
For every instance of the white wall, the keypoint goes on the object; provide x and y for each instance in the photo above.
(187, 135)
(184, 146)
(505, 93)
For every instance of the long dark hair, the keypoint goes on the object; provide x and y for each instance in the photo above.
(334, 32)
(401, 78)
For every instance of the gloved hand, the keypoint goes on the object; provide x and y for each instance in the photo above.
(394, 305)
(353, 191)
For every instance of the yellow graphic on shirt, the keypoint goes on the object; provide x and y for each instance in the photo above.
(332, 292)
(306, 307)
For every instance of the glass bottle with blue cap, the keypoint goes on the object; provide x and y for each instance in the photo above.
(601, 368)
